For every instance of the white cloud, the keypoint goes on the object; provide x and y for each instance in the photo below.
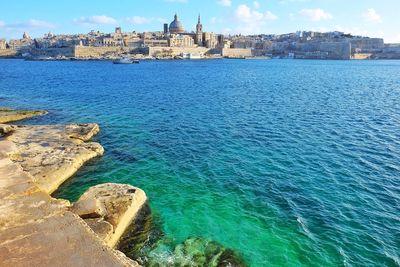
(31, 24)
(352, 30)
(34, 23)
(95, 20)
(256, 4)
(251, 21)
(225, 2)
(268, 15)
(213, 20)
(317, 14)
(138, 20)
(372, 16)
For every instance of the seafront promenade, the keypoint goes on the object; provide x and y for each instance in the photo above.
(39, 230)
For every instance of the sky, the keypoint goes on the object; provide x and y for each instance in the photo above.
(374, 18)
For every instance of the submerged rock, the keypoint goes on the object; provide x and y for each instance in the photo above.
(145, 242)
(10, 115)
(141, 236)
(197, 252)
(115, 205)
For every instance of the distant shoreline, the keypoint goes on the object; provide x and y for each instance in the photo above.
(200, 59)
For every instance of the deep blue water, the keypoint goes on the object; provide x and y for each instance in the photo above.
(290, 163)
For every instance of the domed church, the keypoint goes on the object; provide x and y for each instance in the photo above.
(176, 26)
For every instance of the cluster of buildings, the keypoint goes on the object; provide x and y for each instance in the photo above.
(317, 45)
(174, 40)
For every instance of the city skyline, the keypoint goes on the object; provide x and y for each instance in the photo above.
(221, 16)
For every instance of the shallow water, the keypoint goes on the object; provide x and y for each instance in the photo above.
(289, 163)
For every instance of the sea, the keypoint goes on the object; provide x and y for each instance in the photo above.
(285, 162)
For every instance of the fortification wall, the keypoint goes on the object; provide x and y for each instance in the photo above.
(236, 52)
(175, 51)
(8, 53)
(53, 52)
(98, 52)
(336, 50)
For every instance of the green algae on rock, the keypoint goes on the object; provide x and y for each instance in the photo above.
(142, 235)
(195, 252)
(10, 114)
(146, 243)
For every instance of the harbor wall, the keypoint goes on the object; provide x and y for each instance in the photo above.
(98, 52)
(175, 51)
(8, 53)
(53, 52)
(236, 52)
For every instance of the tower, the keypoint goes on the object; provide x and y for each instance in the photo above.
(165, 28)
(199, 32)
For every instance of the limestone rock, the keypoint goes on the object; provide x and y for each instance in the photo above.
(122, 204)
(88, 208)
(38, 230)
(6, 129)
(10, 115)
(84, 132)
(49, 154)
(101, 227)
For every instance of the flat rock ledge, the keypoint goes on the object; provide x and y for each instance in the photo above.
(10, 115)
(52, 153)
(109, 209)
(38, 230)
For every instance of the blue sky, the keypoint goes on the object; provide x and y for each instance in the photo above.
(364, 17)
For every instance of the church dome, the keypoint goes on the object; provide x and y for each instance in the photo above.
(176, 26)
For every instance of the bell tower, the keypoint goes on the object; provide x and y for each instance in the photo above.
(199, 32)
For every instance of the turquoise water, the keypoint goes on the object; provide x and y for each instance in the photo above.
(289, 163)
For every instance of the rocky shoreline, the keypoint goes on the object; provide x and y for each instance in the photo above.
(38, 230)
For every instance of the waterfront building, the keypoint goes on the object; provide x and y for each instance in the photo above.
(180, 40)
(155, 43)
(3, 44)
(210, 40)
(21, 44)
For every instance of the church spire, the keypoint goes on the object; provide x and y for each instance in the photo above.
(198, 21)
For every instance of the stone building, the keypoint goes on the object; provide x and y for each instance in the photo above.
(210, 40)
(3, 44)
(180, 40)
(21, 44)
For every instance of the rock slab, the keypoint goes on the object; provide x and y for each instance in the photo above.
(121, 203)
(52, 153)
(36, 229)
(10, 115)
